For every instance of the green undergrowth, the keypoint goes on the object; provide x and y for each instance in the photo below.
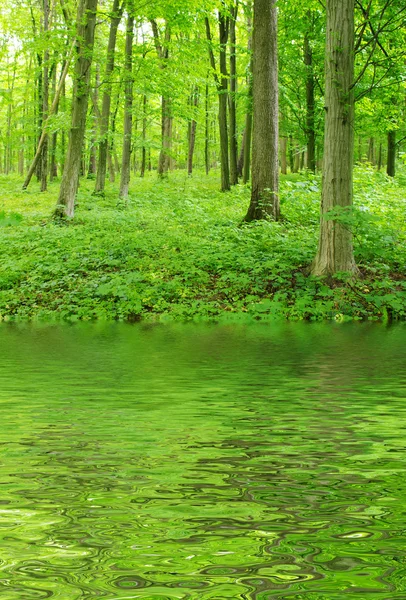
(179, 251)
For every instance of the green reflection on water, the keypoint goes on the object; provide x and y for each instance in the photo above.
(202, 462)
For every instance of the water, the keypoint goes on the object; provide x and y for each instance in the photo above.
(199, 462)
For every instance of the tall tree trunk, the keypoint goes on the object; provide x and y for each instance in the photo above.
(91, 172)
(128, 122)
(310, 102)
(117, 12)
(166, 102)
(240, 164)
(207, 131)
(144, 136)
(391, 164)
(222, 89)
(248, 116)
(86, 21)
(60, 91)
(194, 102)
(284, 158)
(232, 96)
(335, 250)
(265, 166)
(45, 99)
(379, 166)
(53, 171)
(371, 151)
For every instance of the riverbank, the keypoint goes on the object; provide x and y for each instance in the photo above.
(178, 251)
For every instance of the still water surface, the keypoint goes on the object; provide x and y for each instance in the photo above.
(203, 462)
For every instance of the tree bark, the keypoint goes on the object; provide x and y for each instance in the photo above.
(166, 103)
(60, 91)
(86, 21)
(128, 122)
(222, 89)
(207, 131)
(391, 160)
(117, 12)
(335, 249)
(310, 103)
(284, 159)
(248, 116)
(45, 99)
(144, 136)
(265, 166)
(232, 97)
(194, 102)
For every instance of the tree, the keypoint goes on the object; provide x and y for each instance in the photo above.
(265, 167)
(335, 249)
(128, 118)
(222, 90)
(116, 14)
(86, 21)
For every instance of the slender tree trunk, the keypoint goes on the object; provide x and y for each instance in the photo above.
(126, 158)
(240, 164)
(60, 91)
(91, 173)
(232, 97)
(194, 101)
(310, 102)
(45, 99)
(371, 151)
(207, 131)
(86, 21)
(379, 166)
(222, 91)
(265, 166)
(144, 136)
(117, 12)
(335, 250)
(284, 160)
(53, 171)
(248, 116)
(391, 164)
(223, 124)
(166, 103)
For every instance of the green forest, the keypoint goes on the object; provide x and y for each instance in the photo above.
(218, 160)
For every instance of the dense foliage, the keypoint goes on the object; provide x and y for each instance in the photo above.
(180, 251)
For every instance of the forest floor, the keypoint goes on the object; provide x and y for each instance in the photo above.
(179, 251)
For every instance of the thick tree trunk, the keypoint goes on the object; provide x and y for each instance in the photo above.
(310, 104)
(391, 161)
(86, 21)
(335, 250)
(265, 166)
(116, 15)
(232, 97)
(128, 122)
